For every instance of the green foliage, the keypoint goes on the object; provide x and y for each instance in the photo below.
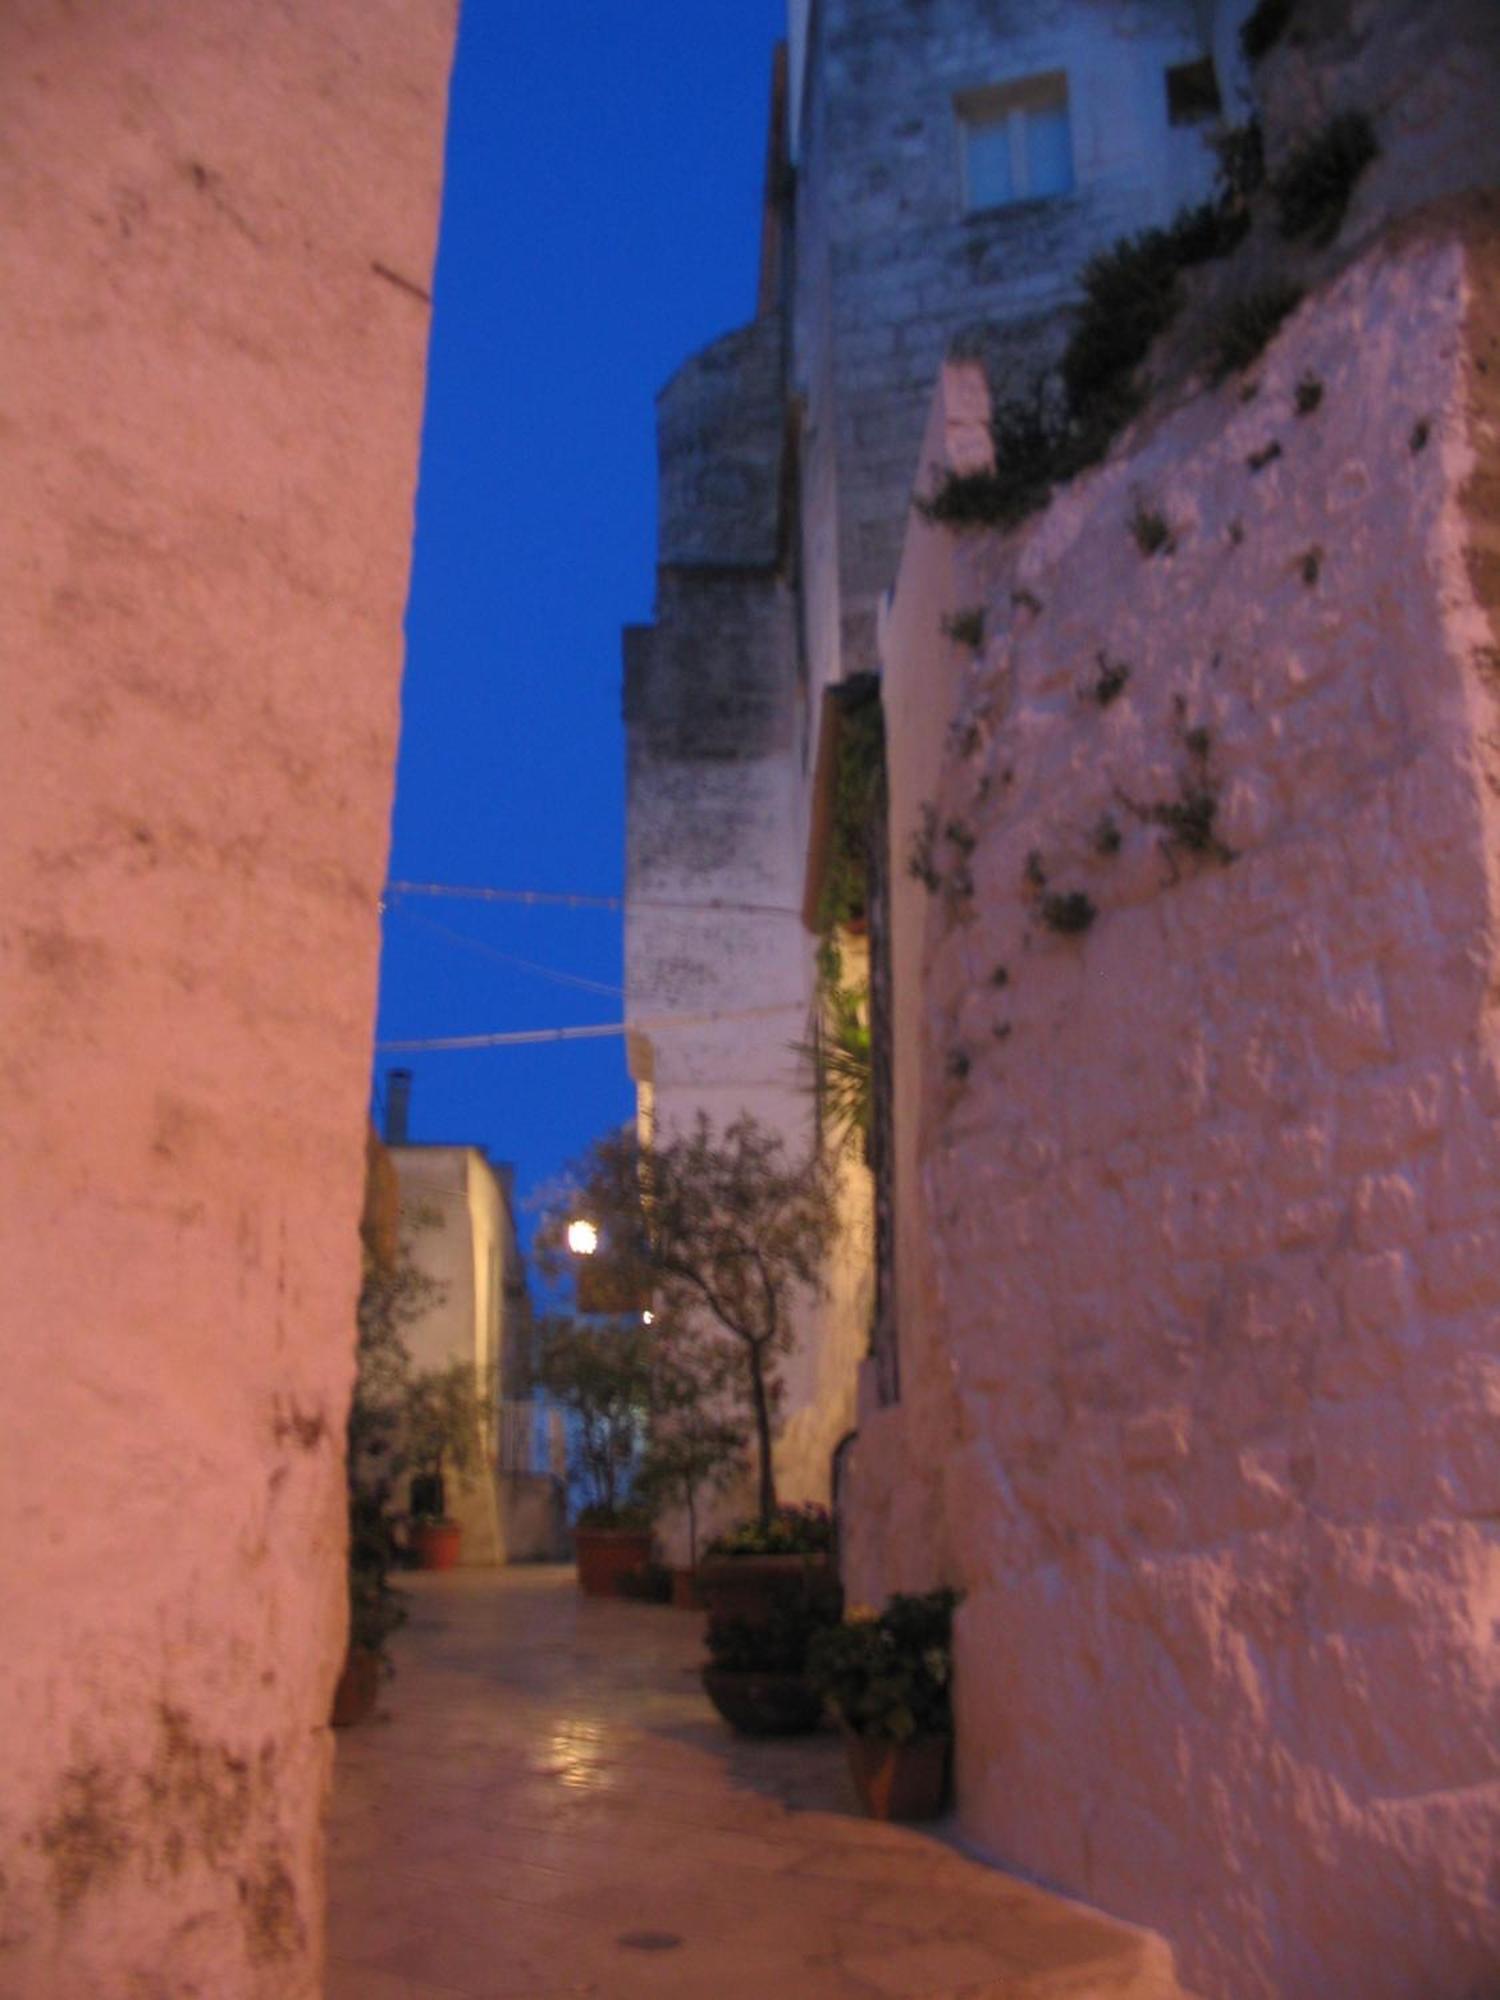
(1265, 26)
(696, 1435)
(840, 1052)
(921, 851)
(1189, 822)
(781, 1641)
(1151, 530)
(600, 1372)
(1314, 188)
(375, 1609)
(805, 1530)
(1241, 152)
(966, 628)
(1069, 913)
(726, 1230)
(443, 1425)
(1131, 294)
(891, 1677)
(1030, 451)
(394, 1295)
(1249, 325)
(858, 764)
(1111, 680)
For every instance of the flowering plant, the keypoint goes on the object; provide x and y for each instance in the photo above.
(890, 1676)
(790, 1531)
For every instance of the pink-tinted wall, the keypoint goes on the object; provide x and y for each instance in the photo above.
(1202, 1400)
(217, 225)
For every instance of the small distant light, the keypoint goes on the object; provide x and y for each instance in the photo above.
(583, 1238)
(648, 1319)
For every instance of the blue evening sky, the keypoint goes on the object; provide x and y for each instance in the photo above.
(600, 222)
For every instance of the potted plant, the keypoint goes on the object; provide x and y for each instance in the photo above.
(394, 1294)
(375, 1609)
(599, 1371)
(442, 1439)
(726, 1233)
(761, 1564)
(888, 1679)
(756, 1673)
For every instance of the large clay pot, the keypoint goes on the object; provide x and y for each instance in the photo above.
(605, 1554)
(358, 1688)
(752, 1587)
(436, 1544)
(758, 1704)
(905, 1781)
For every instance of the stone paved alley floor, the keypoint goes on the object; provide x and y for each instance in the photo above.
(547, 1806)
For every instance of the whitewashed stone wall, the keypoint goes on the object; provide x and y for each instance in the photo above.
(1203, 1395)
(216, 230)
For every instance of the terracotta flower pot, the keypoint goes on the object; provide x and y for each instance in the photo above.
(751, 1587)
(436, 1544)
(605, 1554)
(358, 1688)
(903, 1781)
(763, 1704)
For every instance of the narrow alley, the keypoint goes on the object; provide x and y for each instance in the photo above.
(546, 1806)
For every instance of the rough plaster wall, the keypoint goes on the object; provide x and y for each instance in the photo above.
(1217, 1221)
(211, 403)
(894, 1530)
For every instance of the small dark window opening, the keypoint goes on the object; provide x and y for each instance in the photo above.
(1193, 92)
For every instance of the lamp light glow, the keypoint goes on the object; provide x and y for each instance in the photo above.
(583, 1238)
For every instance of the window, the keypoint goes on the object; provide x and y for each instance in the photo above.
(1193, 92)
(1017, 142)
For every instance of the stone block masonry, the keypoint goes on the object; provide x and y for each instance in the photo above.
(1212, 1179)
(216, 227)
(892, 268)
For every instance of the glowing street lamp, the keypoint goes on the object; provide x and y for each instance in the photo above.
(583, 1238)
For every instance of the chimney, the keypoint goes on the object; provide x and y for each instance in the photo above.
(397, 1106)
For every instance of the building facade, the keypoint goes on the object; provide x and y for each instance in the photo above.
(457, 1220)
(1172, 1331)
(936, 177)
(217, 230)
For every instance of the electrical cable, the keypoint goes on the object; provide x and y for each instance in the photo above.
(508, 958)
(597, 1031)
(566, 900)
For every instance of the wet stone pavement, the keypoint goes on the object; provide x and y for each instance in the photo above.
(545, 1805)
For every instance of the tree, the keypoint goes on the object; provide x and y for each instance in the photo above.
(441, 1432)
(601, 1373)
(696, 1436)
(394, 1294)
(726, 1231)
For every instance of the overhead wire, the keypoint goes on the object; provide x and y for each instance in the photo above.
(567, 899)
(508, 958)
(595, 1031)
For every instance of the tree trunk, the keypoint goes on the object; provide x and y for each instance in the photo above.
(761, 1404)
